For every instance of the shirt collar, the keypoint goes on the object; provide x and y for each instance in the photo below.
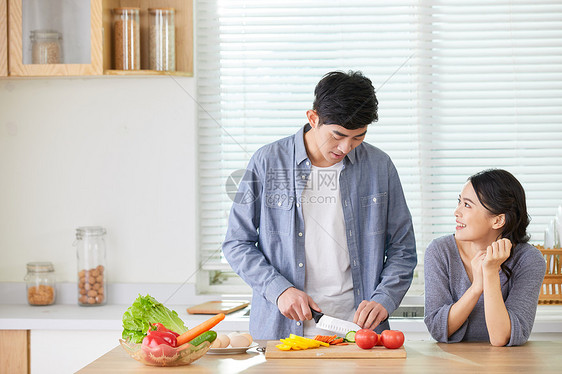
(300, 149)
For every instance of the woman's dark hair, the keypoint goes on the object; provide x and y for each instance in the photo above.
(501, 193)
(345, 99)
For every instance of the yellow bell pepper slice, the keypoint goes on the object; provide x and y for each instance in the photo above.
(296, 343)
(293, 343)
(312, 342)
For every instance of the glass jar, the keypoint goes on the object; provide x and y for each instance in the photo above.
(40, 283)
(46, 47)
(162, 39)
(90, 251)
(126, 38)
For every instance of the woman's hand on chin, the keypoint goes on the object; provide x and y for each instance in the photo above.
(496, 254)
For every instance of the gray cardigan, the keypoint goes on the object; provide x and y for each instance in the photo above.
(446, 281)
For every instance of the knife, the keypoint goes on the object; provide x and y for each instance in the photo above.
(325, 322)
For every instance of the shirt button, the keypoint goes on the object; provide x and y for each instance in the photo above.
(298, 205)
(374, 199)
(303, 176)
(349, 232)
(301, 264)
(300, 233)
(298, 323)
(346, 203)
(307, 163)
(279, 203)
(354, 263)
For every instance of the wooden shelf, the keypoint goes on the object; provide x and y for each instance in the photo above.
(15, 46)
(184, 35)
(101, 59)
(147, 72)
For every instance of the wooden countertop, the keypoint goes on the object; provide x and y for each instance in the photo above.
(423, 357)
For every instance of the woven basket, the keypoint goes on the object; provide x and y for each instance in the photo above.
(551, 290)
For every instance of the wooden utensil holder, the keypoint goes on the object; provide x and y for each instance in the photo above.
(551, 289)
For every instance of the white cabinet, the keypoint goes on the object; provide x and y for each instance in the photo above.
(67, 351)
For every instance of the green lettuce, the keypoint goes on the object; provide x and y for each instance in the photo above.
(144, 311)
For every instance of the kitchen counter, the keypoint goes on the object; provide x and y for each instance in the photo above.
(51, 330)
(548, 321)
(422, 357)
(106, 317)
(66, 314)
(16, 314)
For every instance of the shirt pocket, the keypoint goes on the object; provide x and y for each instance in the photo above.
(279, 213)
(373, 208)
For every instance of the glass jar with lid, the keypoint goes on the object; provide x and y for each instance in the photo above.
(162, 39)
(126, 38)
(46, 47)
(91, 251)
(40, 283)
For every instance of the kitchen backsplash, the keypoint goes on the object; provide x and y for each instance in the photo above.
(116, 152)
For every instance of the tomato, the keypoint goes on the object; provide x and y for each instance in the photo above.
(392, 339)
(366, 338)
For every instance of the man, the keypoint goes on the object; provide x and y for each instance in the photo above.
(320, 221)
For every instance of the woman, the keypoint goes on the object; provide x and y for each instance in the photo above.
(482, 283)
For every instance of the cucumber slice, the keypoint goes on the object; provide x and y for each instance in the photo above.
(350, 337)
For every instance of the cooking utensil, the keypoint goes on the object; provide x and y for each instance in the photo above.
(340, 326)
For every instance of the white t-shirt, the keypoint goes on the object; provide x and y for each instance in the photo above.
(328, 273)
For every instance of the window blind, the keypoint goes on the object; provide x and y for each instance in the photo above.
(462, 86)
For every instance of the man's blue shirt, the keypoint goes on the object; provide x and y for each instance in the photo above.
(264, 243)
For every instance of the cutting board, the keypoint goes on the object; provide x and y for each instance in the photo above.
(215, 307)
(334, 351)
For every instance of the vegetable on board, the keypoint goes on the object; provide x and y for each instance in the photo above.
(296, 342)
(350, 337)
(144, 311)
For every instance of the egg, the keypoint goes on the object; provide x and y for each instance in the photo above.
(239, 341)
(224, 340)
(247, 336)
(216, 343)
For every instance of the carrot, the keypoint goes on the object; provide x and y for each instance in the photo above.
(342, 344)
(330, 339)
(199, 329)
(336, 341)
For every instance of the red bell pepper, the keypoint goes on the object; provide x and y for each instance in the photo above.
(161, 327)
(159, 342)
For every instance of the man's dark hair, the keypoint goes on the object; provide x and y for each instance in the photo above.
(345, 99)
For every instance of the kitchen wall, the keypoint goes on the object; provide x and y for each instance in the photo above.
(120, 152)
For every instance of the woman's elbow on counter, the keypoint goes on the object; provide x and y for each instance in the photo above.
(499, 342)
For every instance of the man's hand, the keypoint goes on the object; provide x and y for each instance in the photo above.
(496, 254)
(295, 304)
(369, 314)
